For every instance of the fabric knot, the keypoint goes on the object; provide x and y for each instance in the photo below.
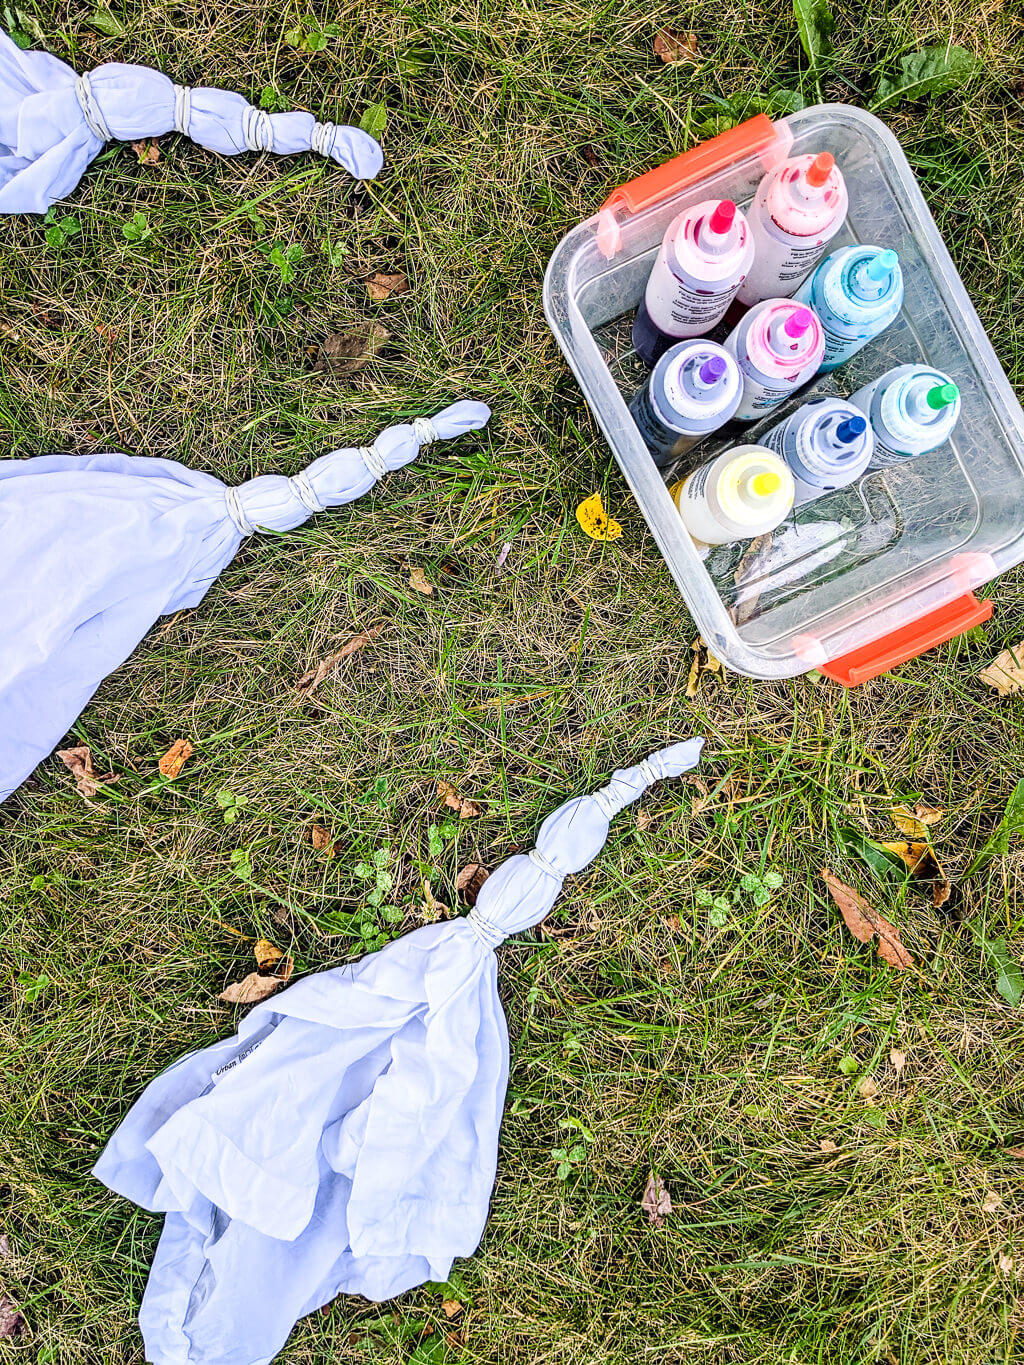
(606, 803)
(257, 130)
(303, 490)
(649, 772)
(374, 461)
(236, 512)
(425, 431)
(91, 111)
(182, 109)
(321, 139)
(490, 934)
(545, 864)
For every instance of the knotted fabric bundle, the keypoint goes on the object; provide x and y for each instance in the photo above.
(345, 1140)
(53, 123)
(93, 548)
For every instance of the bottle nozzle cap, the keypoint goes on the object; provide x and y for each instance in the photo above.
(765, 484)
(882, 265)
(797, 323)
(713, 369)
(941, 396)
(722, 218)
(849, 429)
(820, 169)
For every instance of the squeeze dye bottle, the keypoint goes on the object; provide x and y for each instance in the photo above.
(797, 210)
(743, 493)
(692, 391)
(856, 292)
(778, 346)
(826, 444)
(912, 409)
(703, 260)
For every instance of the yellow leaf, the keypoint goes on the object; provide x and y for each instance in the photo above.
(914, 823)
(419, 580)
(595, 521)
(703, 662)
(266, 954)
(1006, 671)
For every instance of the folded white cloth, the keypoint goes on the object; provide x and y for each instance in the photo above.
(53, 123)
(93, 548)
(345, 1140)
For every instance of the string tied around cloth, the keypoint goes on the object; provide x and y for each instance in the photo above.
(237, 515)
(373, 460)
(545, 864)
(491, 935)
(257, 130)
(182, 109)
(425, 430)
(91, 111)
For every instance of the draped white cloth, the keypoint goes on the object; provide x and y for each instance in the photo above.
(54, 122)
(93, 548)
(345, 1140)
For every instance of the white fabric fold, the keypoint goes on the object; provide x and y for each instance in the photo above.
(345, 1140)
(94, 548)
(53, 123)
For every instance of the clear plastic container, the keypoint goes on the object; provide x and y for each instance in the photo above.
(867, 577)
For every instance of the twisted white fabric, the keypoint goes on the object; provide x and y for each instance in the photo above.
(53, 123)
(94, 548)
(345, 1140)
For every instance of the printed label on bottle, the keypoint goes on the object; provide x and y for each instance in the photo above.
(690, 309)
(838, 348)
(658, 437)
(774, 440)
(798, 260)
(693, 488)
(884, 456)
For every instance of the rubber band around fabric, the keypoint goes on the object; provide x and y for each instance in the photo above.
(91, 111)
(243, 525)
(182, 109)
(545, 864)
(374, 461)
(489, 934)
(303, 490)
(257, 130)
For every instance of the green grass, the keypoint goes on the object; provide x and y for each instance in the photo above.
(708, 1054)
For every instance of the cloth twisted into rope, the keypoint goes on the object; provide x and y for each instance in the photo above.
(94, 548)
(345, 1140)
(54, 122)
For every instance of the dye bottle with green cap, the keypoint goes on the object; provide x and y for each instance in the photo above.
(857, 292)
(745, 492)
(912, 409)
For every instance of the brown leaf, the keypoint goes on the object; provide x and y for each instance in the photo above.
(175, 758)
(321, 839)
(655, 1201)
(1006, 671)
(381, 286)
(898, 1060)
(79, 761)
(672, 46)
(12, 1324)
(914, 823)
(925, 867)
(868, 1089)
(470, 880)
(419, 580)
(310, 681)
(864, 923)
(991, 1202)
(257, 986)
(467, 809)
(147, 152)
(267, 955)
(1005, 1264)
(1016, 1152)
(703, 662)
(346, 353)
(751, 569)
(827, 1146)
(451, 1307)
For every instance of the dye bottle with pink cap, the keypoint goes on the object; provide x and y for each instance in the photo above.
(797, 210)
(703, 259)
(778, 346)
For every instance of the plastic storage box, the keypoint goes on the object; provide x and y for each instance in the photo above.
(866, 577)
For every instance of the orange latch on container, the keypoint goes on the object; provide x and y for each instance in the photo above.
(861, 665)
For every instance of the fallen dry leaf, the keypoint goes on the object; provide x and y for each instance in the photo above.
(79, 761)
(898, 1060)
(827, 1146)
(991, 1202)
(310, 681)
(175, 758)
(251, 989)
(1017, 1152)
(147, 152)
(467, 809)
(595, 521)
(451, 1307)
(1005, 1264)
(655, 1201)
(1006, 671)
(11, 1322)
(419, 580)
(703, 662)
(914, 823)
(322, 840)
(864, 923)
(868, 1089)
(672, 46)
(470, 880)
(346, 353)
(382, 286)
(925, 867)
(266, 954)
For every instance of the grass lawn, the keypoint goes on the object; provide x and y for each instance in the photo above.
(816, 1218)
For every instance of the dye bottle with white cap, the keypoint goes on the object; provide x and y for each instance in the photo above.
(691, 392)
(857, 292)
(703, 259)
(826, 443)
(778, 346)
(745, 492)
(912, 409)
(797, 210)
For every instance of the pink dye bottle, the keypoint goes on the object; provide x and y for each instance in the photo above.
(778, 346)
(703, 260)
(797, 210)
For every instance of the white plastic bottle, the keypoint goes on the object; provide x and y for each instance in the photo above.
(692, 391)
(703, 259)
(912, 409)
(778, 346)
(745, 492)
(797, 210)
(826, 443)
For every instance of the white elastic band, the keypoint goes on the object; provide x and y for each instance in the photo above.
(425, 431)
(257, 130)
(182, 109)
(321, 139)
(606, 802)
(649, 772)
(486, 930)
(545, 864)
(236, 512)
(91, 111)
(374, 461)
(303, 490)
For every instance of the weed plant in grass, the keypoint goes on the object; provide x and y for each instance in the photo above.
(816, 1217)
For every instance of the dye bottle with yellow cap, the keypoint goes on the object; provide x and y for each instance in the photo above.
(745, 492)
